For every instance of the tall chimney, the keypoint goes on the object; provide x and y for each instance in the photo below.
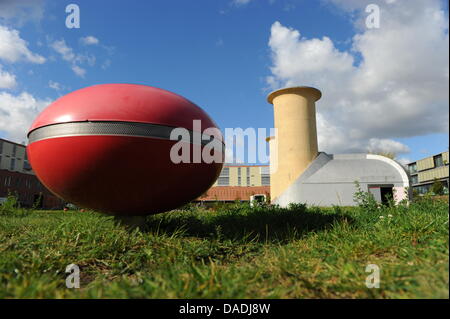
(296, 138)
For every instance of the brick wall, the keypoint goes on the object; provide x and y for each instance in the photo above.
(28, 189)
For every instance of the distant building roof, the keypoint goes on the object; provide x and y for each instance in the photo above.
(347, 168)
(11, 142)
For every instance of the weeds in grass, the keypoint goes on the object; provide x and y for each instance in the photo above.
(365, 200)
(11, 207)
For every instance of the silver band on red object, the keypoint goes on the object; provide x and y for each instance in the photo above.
(103, 128)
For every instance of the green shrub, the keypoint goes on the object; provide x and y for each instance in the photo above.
(12, 207)
(365, 200)
(437, 188)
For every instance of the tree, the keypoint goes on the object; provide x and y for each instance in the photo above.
(437, 188)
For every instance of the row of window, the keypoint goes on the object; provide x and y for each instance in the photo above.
(224, 178)
(10, 181)
(265, 170)
(423, 189)
(13, 166)
(437, 160)
(14, 151)
(12, 163)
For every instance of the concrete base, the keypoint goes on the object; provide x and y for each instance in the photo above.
(131, 222)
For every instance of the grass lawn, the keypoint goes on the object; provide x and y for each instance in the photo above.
(232, 252)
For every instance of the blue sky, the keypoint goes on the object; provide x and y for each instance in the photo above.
(217, 54)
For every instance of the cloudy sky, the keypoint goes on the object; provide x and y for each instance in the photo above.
(384, 88)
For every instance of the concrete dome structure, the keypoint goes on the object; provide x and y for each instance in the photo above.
(302, 174)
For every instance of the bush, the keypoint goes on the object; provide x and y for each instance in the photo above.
(12, 207)
(364, 199)
(437, 188)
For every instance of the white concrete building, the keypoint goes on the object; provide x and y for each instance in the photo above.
(302, 174)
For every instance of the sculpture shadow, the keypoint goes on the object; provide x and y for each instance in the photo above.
(245, 224)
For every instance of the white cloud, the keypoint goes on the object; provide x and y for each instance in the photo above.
(17, 112)
(89, 40)
(398, 89)
(13, 48)
(386, 145)
(79, 71)
(106, 64)
(67, 54)
(7, 80)
(19, 12)
(54, 85)
(404, 161)
(241, 2)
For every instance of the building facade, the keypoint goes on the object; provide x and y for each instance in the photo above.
(13, 157)
(239, 183)
(231, 194)
(425, 171)
(17, 178)
(244, 175)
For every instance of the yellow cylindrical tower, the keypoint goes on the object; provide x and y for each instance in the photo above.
(296, 135)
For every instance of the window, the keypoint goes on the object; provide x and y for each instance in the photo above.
(438, 160)
(13, 164)
(265, 176)
(225, 171)
(224, 178)
(26, 166)
(423, 189)
(414, 179)
(223, 181)
(14, 150)
(248, 176)
(412, 168)
(1, 147)
(265, 180)
(239, 176)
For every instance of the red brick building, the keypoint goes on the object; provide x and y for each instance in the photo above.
(233, 193)
(17, 178)
(28, 190)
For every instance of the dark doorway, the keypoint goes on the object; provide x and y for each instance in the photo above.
(38, 201)
(386, 194)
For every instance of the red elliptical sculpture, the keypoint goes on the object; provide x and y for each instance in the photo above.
(107, 147)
